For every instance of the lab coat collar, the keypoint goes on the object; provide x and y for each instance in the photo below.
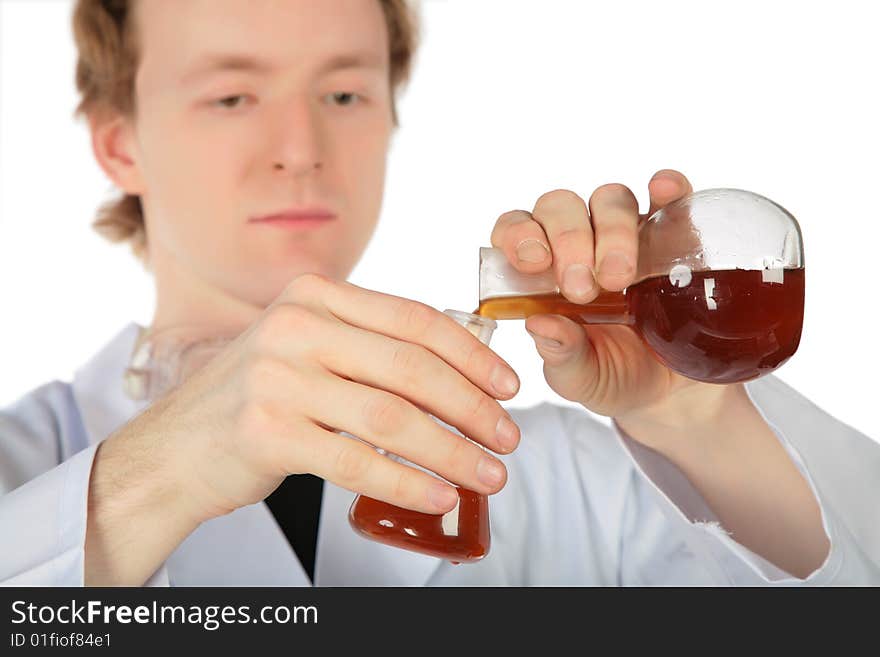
(98, 391)
(343, 557)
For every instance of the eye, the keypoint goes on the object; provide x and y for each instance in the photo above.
(230, 102)
(345, 98)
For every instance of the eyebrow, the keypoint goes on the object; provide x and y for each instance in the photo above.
(220, 62)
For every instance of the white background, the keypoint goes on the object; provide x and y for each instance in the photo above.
(509, 99)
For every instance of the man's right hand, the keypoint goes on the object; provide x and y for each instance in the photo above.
(325, 357)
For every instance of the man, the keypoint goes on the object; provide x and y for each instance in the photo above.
(249, 139)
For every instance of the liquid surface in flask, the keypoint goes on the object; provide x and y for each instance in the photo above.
(724, 326)
(461, 535)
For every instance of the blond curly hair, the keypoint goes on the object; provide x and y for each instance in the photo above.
(107, 60)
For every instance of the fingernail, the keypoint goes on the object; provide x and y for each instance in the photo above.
(577, 280)
(532, 250)
(504, 382)
(505, 433)
(541, 341)
(442, 496)
(489, 471)
(616, 264)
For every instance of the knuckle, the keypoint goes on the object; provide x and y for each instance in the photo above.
(478, 404)
(284, 319)
(515, 221)
(402, 485)
(559, 199)
(614, 193)
(308, 282)
(514, 217)
(575, 239)
(624, 236)
(306, 286)
(407, 362)
(255, 420)
(385, 414)
(352, 464)
(474, 356)
(418, 318)
(302, 333)
(460, 457)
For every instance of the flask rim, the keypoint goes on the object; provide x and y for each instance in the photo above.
(465, 318)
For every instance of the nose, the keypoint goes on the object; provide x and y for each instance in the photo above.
(296, 146)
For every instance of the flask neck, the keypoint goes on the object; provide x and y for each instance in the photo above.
(607, 308)
(507, 293)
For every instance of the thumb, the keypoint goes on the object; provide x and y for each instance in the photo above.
(570, 363)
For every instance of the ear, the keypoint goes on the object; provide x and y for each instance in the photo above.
(115, 149)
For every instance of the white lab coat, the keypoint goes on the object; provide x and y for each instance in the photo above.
(584, 504)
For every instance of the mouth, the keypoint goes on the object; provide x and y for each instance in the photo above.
(296, 218)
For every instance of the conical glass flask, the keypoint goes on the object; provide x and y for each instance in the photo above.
(718, 294)
(460, 535)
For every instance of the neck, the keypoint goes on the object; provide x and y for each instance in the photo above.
(185, 300)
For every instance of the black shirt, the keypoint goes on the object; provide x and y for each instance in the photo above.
(296, 505)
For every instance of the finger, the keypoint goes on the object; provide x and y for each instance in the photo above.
(666, 186)
(422, 378)
(523, 241)
(564, 217)
(614, 211)
(404, 319)
(397, 426)
(357, 467)
(571, 366)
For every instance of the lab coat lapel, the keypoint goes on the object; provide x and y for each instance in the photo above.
(243, 548)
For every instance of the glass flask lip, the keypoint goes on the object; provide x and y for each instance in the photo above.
(465, 318)
(481, 327)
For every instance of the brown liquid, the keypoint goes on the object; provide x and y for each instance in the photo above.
(724, 327)
(423, 532)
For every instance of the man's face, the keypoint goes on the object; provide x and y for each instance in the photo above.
(241, 113)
